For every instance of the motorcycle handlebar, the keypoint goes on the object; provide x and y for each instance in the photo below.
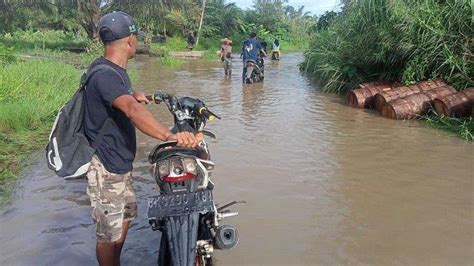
(157, 97)
(202, 110)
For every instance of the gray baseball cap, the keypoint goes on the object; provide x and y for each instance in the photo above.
(117, 25)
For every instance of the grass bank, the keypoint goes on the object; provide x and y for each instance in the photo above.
(405, 41)
(463, 127)
(26, 40)
(34, 83)
(30, 94)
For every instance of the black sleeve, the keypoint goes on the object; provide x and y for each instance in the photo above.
(109, 85)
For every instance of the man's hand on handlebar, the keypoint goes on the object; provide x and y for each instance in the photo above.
(185, 139)
(140, 97)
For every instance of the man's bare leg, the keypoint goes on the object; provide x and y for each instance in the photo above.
(106, 253)
(119, 243)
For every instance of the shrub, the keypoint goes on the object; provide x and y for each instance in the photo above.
(404, 40)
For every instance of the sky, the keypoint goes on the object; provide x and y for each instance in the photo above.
(317, 7)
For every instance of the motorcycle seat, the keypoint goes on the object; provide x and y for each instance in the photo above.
(165, 153)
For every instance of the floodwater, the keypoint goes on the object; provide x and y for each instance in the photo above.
(326, 184)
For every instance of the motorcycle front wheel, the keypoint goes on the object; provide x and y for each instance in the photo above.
(164, 257)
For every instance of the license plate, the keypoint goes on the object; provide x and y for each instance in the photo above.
(179, 204)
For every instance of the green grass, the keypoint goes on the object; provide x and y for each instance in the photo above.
(171, 61)
(288, 46)
(211, 55)
(404, 40)
(170, 45)
(46, 39)
(15, 148)
(31, 93)
(463, 127)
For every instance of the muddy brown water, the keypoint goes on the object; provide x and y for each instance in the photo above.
(326, 184)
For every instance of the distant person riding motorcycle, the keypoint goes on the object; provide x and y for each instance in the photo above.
(276, 50)
(226, 55)
(250, 52)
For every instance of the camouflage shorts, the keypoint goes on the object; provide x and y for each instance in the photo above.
(112, 200)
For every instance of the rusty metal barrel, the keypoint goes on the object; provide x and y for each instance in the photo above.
(363, 95)
(399, 92)
(459, 104)
(416, 104)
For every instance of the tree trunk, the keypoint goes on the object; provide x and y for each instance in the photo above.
(414, 105)
(399, 92)
(459, 104)
(89, 16)
(200, 22)
(363, 95)
(148, 38)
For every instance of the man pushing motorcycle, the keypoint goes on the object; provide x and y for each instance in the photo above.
(110, 100)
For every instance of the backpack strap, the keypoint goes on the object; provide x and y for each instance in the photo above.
(84, 80)
(91, 71)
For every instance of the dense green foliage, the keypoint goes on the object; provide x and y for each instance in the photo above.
(405, 40)
(79, 19)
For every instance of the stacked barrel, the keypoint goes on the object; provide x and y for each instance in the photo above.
(363, 95)
(459, 104)
(406, 102)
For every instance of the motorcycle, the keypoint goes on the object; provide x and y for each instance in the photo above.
(255, 71)
(184, 211)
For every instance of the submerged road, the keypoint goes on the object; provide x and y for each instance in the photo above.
(326, 184)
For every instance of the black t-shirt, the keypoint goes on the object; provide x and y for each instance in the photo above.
(118, 146)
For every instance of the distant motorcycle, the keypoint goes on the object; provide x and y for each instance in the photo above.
(184, 211)
(255, 71)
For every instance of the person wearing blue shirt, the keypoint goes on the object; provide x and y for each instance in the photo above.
(250, 51)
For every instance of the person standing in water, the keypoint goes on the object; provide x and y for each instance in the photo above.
(226, 55)
(109, 98)
(276, 49)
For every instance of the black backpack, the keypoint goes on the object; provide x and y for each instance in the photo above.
(68, 151)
